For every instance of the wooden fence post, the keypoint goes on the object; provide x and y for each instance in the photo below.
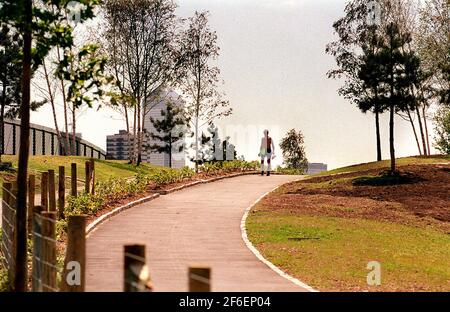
(44, 191)
(136, 274)
(61, 191)
(48, 260)
(92, 168)
(51, 191)
(87, 181)
(74, 272)
(73, 180)
(31, 199)
(199, 279)
(37, 249)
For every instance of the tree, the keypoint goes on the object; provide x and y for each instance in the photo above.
(366, 93)
(199, 78)
(397, 76)
(445, 92)
(10, 73)
(139, 40)
(10, 78)
(356, 37)
(83, 72)
(170, 130)
(433, 44)
(442, 121)
(292, 145)
(47, 28)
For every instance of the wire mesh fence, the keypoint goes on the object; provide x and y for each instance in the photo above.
(45, 271)
(8, 244)
(48, 274)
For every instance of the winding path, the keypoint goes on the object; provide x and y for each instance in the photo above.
(198, 225)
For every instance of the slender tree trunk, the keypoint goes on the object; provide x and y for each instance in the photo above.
(133, 154)
(74, 132)
(66, 117)
(391, 138)
(52, 102)
(2, 121)
(139, 139)
(424, 144)
(425, 123)
(143, 115)
(170, 150)
(127, 121)
(198, 101)
(377, 126)
(196, 145)
(414, 130)
(20, 281)
(392, 106)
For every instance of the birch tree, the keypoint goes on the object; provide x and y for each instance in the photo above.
(139, 37)
(198, 52)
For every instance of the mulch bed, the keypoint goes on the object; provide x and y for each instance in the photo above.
(425, 201)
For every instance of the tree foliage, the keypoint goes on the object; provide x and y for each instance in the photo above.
(41, 29)
(442, 139)
(398, 71)
(292, 146)
(199, 76)
(170, 130)
(139, 40)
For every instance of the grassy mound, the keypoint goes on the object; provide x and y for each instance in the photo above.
(326, 229)
(386, 178)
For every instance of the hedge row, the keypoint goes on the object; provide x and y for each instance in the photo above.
(218, 167)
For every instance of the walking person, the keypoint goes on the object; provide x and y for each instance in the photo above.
(267, 149)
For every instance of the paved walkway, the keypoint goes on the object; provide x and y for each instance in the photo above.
(198, 225)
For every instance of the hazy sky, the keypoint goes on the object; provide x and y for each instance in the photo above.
(274, 67)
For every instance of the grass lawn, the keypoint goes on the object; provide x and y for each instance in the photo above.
(331, 254)
(419, 160)
(104, 169)
(326, 229)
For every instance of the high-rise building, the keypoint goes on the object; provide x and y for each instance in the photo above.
(119, 146)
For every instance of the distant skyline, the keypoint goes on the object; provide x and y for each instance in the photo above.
(274, 66)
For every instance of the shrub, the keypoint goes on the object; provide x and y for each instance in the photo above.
(219, 167)
(84, 204)
(290, 171)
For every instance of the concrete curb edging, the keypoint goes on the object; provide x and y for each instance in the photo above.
(260, 256)
(97, 222)
(94, 224)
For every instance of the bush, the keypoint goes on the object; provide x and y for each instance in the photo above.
(84, 204)
(168, 176)
(218, 167)
(290, 171)
(387, 178)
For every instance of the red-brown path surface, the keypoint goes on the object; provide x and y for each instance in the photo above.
(198, 225)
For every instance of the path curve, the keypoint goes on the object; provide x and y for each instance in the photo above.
(198, 225)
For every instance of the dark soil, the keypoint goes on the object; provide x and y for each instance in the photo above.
(418, 195)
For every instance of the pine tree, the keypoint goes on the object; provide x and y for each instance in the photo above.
(367, 94)
(10, 75)
(170, 130)
(397, 75)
